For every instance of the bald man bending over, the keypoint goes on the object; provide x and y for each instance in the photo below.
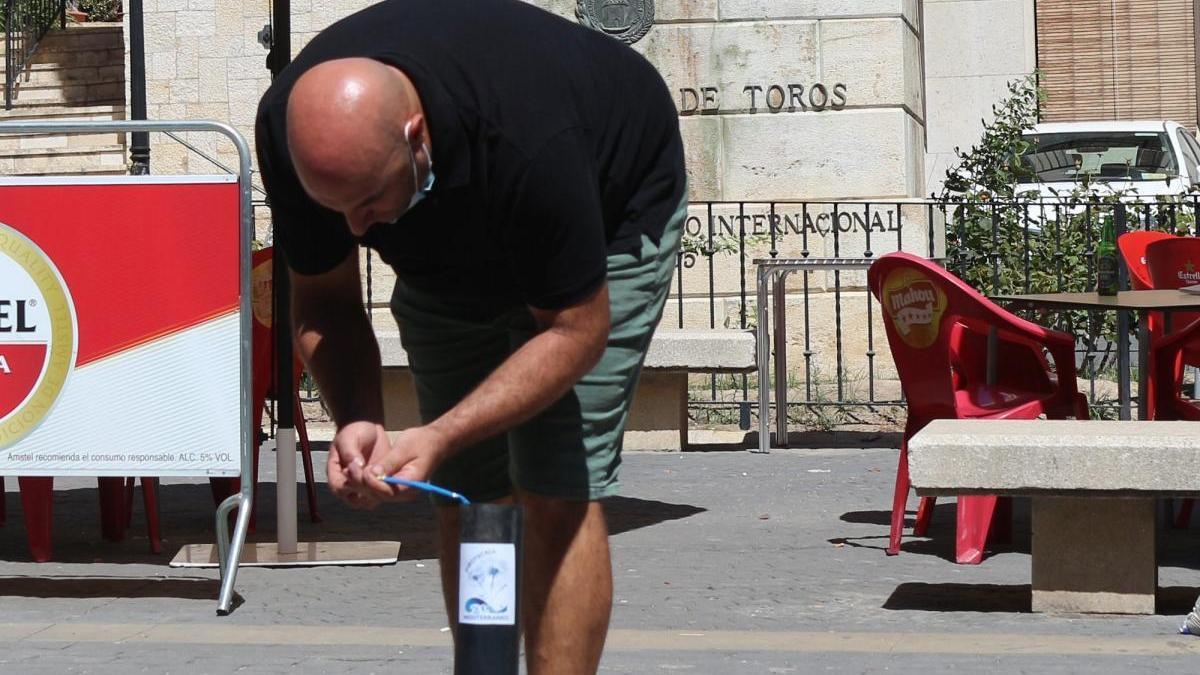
(524, 177)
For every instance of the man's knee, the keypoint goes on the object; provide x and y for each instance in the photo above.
(552, 517)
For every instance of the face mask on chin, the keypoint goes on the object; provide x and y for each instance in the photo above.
(420, 189)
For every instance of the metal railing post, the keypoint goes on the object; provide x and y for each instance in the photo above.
(139, 148)
(25, 24)
(8, 54)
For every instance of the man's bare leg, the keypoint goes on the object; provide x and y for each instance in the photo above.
(567, 585)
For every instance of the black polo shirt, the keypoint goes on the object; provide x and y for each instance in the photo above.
(553, 145)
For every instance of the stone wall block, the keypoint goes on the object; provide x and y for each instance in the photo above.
(807, 9)
(214, 85)
(160, 65)
(187, 56)
(956, 26)
(815, 155)
(732, 57)
(686, 10)
(703, 154)
(160, 32)
(195, 24)
(872, 58)
(248, 67)
(243, 102)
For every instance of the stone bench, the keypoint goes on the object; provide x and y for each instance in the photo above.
(658, 419)
(1094, 487)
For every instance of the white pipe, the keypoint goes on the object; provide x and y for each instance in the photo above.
(285, 491)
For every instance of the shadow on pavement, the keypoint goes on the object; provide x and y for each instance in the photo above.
(109, 587)
(941, 536)
(629, 513)
(1015, 598)
(810, 440)
(959, 597)
(186, 512)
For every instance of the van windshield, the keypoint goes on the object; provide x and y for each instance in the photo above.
(1103, 155)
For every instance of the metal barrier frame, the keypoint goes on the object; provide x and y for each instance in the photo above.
(228, 550)
(772, 278)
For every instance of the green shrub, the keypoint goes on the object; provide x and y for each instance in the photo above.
(100, 10)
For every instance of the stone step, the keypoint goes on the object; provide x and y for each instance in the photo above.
(79, 58)
(60, 141)
(91, 93)
(36, 107)
(94, 112)
(105, 160)
(82, 37)
(60, 74)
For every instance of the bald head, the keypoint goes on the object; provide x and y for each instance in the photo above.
(346, 122)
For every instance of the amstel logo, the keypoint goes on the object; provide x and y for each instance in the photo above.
(915, 305)
(38, 336)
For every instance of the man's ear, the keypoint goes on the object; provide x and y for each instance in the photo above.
(417, 132)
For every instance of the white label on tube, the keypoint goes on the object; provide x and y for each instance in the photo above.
(487, 584)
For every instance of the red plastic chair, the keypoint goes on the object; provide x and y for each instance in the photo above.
(1133, 247)
(1169, 353)
(1133, 251)
(938, 329)
(1168, 361)
(116, 512)
(261, 380)
(1174, 263)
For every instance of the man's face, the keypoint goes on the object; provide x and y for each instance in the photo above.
(377, 197)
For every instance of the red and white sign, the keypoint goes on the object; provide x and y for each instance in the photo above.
(119, 326)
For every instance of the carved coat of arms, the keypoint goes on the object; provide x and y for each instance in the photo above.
(626, 20)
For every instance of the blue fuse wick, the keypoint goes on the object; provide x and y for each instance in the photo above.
(428, 487)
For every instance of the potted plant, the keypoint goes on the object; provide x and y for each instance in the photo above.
(75, 14)
(98, 10)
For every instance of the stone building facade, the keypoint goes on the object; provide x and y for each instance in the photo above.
(824, 101)
(756, 81)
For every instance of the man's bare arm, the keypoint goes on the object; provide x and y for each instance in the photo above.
(569, 345)
(335, 340)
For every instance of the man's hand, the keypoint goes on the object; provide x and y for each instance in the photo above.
(415, 455)
(353, 447)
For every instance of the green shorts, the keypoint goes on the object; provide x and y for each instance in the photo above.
(571, 450)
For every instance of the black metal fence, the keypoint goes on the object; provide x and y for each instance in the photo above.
(25, 23)
(843, 373)
(837, 376)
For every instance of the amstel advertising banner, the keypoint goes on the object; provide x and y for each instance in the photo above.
(119, 342)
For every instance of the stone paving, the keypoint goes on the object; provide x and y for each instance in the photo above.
(724, 562)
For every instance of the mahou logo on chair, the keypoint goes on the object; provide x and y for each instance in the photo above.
(915, 305)
(38, 338)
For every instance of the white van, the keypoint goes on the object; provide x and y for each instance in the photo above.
(1149, 157)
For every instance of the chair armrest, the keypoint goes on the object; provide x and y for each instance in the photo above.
(1177, 339)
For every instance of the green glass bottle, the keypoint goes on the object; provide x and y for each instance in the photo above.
(1108, 276)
